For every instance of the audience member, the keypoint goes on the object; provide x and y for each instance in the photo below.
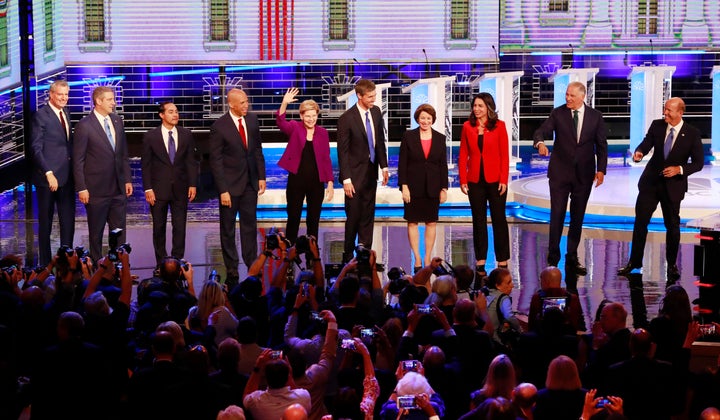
(563, 396)
(425, 402)
(524, 398)
(232, 412)
(550, 294)
(610, 344)
(499, 382)
(500, 313)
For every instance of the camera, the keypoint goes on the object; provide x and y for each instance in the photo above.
(362, 255)
(411, 365)
(114, 248)
(395, 273)
(82, 253)
(406, 402)
(707, 329)
(276, 354)
(348, 343)
(603, 402)
(65, 251)
(272, 239)
(302, 244)
(367, 334)
(214, 276)
(305, 289)
(443, 269)
(10, 269)
(424, 309)
(315, 316)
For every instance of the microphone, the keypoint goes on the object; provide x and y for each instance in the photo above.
(355, 60)
(427, 64)
(572, 54)
(625, 59)
(652, 52)
(497, 59)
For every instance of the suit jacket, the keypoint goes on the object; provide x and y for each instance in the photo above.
(688, 144)
(424, 177)
(495, 157)
(96, 166)
(232, 166)
(297, 136)
(51, 149)
(571, 159)
(169, 181)
(352, 143)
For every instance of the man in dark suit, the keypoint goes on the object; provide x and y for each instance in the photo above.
(169, 174)
(357, 129)
(580, 139)
(101, 168)
(664, 181)
(238, 166)
(51, 142)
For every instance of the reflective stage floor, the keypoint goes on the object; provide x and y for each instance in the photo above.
(604, 247)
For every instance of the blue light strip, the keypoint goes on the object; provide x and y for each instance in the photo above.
(78, 83)
(230, 68)
(622, 52)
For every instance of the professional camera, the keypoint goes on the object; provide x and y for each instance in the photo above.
(114, 248)
(214, 276)
(82, 253)
(362, 255)
(10, 269)
(302, 244)
(65, 251)
(443, 269)
(273, 238)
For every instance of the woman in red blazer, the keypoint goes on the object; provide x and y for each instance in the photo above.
(483, 166)
(307, 159)
(423, 180)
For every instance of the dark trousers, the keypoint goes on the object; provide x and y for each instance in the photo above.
(245, 205)
(479, 195)
(64, 199)
(102, 210)
(578, 193)
(360, 212)
(645, 205)
(178, 214)
(297, 190)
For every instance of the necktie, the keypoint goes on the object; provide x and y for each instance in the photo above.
(576, 120)
(668, 142)
(64, 126)
(171, 147)
(109, 133)
(371, 142)
(241, 127)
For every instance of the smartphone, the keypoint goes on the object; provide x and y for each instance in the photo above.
(707, 329)
(602, 403)
(368, 333)
(276, 354)
(424, 309)
(410, 365)
(305, 289)
(315, 316)
(554, 302)
(406, 402)
(348, 343)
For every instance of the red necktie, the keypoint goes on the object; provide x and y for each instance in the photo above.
(242, 133)
(62, 121)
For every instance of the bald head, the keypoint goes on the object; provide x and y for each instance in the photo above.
(550, 278)
(434, 357)
(295, 412)
(524, 395)
(613, 317)
(710, 413)
(640, 342)
(238, 102)
(464, 312)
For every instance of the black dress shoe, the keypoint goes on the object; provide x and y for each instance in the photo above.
(672, 272)
(576, 268)
(627, 269)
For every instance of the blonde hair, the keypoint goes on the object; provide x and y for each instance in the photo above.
(309, 104)
(212, 295)
(175, 330)
(563, 375)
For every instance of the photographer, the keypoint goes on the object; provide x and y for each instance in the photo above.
(550, 287)
(413, 398)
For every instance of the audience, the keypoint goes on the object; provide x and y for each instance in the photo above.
(79, 347)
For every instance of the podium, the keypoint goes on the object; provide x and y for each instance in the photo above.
(650, 87)
(563, 77)
(436, 91)
(505, 89)
(715, 130)
(350, 99)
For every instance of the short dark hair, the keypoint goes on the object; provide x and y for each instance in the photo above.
(349, 289)
(276, 373)
(425, 108)
(161, 107)
(99, 91)
(364, 86)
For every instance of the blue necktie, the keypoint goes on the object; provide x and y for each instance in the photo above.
(371, 143)
(171, 147)
(668, 142)
(109, 133)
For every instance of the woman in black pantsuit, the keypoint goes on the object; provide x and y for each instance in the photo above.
(423, 180)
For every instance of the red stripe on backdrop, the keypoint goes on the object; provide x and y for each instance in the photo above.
(262, 43)
(285, 29)
(269, 28)
(292, 29)
(277, 29)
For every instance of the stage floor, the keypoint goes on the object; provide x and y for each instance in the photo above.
(604, 247)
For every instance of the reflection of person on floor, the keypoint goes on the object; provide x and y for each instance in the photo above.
(238, 166)
(664, 181)
(361, 150)
(483, 166)
(422, 177)
(580, 139)
(307, 160)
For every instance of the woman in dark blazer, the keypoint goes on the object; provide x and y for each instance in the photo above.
(423, 180)
(483, 166)
(307, 159)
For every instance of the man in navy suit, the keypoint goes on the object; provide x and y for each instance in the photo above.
(580, 140)
(51, 142)
(361, 150)
(238, 166)
(664, 181)
(101, 168)
(169, 174)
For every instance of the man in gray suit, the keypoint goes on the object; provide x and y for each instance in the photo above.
(101, 168)
(51, 142)
(579, 158)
